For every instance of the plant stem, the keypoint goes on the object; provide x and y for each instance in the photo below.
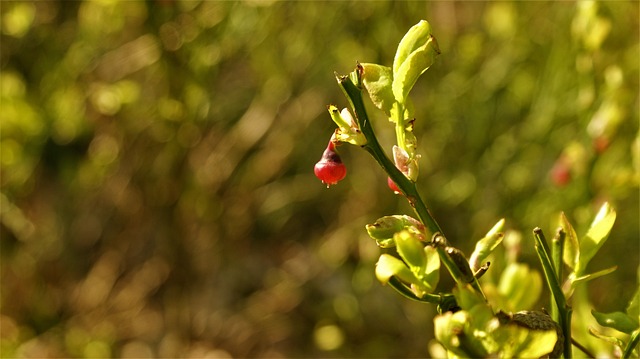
(439, 299)
(582, 348)
(557, 251)
(564, 311)
(407, 187)
(633, 342)
(459, 268)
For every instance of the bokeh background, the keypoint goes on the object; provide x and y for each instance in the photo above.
(157, 190)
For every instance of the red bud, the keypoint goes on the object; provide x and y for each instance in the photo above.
(330, 169)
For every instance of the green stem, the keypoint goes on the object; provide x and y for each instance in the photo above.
(407, 187)
(564, 311)
(633, 342)
(439, 299)
(459, 268)
(557, 251)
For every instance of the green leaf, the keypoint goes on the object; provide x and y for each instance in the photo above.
(415, 54)
(432, 269)
(486, 245)
(537, 343)
(415, 38)
(596, 236)
(412, 251)
(447, 328)
(378, 79)
(466, 297)
(520, 286)
(616, 320)
(383, 229)
(514, 341)
(389, 266)
(571, 244)
(592, 276)
(457, 334)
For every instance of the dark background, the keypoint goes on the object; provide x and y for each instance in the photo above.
(157, 192)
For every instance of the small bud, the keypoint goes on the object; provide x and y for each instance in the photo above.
(393, 186)
(330, 169)
(348, 129)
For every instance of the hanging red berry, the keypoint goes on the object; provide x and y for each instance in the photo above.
(330, 169)
(561, 173)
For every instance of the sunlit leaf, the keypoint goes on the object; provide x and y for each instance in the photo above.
(486, 245)
(467, 297)
(446, 328)
(415, 53)
(520, 286)
(571, 245)
(592, 276)
(516, 341)
(414, 39)
(389, 266)
(596, 236)
(432, 269)
(414, 66)
(457, 333)
(537, 344)
(383, 229)
(616, 320)
(411, 250)
(377, 79)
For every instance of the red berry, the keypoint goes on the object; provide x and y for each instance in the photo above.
(601, 144)
(560, 173)
(330, 169)
(393, 186)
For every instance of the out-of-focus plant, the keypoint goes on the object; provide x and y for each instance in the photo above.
(472, 322)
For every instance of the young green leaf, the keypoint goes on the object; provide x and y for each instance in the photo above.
(416, 53)
(411, 251)
(461, 334)
(533, 343)
(447, 329)
(377, 79)
(616, 320)
(383, 229)
(596, 236)
(389, 266)
(414, 66)
(415, 38)
(587, 277)
(486, 245)
(520, 286)
(432, 269)
(571, 251)
(466, 297)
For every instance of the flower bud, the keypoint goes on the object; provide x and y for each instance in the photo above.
(393, 186)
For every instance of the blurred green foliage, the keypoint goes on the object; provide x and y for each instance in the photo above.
(157, 190)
